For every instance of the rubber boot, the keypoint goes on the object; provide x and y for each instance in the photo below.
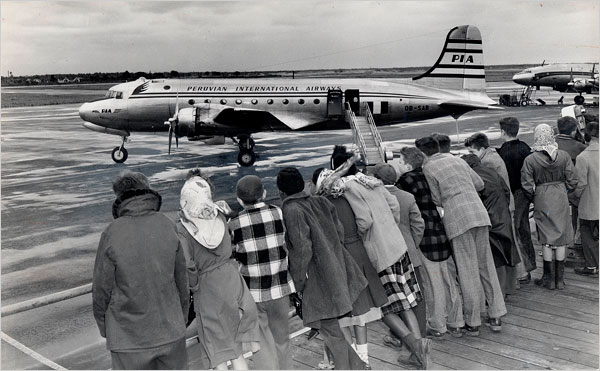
(552, 278)
(546, 275)
(560, 274)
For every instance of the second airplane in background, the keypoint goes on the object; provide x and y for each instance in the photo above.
(454, 85)
(565, 77)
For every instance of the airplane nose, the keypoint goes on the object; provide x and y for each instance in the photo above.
(523, 78)
(85, 111)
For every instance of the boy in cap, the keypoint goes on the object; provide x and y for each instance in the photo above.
(259, 246)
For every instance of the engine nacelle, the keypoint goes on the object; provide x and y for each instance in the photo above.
(197, 120)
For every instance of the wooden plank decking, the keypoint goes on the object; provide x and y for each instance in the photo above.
(543, 329)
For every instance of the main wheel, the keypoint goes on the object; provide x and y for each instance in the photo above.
(579, 99)
(119, 155)
(246, 157)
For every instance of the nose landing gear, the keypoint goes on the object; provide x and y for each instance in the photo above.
(246, 156)
(119, 154)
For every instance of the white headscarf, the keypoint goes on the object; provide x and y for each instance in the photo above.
(543, 140)
(199, 214)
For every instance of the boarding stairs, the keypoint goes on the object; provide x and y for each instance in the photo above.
(366, 136)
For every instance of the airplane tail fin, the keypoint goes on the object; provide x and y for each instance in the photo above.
(460, 65)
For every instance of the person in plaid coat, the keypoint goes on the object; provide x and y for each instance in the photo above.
(259, 246)
(454, 186)
(441, 294)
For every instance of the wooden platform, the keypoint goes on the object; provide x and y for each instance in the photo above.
(543, 329)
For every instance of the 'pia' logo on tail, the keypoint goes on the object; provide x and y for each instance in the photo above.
(461, 58)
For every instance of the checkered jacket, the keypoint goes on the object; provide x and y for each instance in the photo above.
(434, 245)
(258, 239)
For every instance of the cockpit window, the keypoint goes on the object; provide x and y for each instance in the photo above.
(114, 94)
(527, 71)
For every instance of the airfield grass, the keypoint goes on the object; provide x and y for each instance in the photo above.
(15, 98)
(10, 100)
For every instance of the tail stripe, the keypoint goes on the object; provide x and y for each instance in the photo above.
(463, 50)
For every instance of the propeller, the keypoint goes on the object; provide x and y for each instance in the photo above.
(173, 124)
(571, 83)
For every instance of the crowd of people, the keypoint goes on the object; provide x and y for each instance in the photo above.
(429, 245)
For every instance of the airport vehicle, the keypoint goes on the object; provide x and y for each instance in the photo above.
(238, 108)
(565, 77)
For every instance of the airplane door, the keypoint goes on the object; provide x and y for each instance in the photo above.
(353, 97)
(334, 103)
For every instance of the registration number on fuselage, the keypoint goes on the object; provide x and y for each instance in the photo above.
(421, 107)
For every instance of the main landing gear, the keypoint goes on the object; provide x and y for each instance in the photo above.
(119, 154)
(579, 99)
(246, 156)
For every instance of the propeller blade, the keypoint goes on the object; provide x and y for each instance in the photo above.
(170, 138)
(177, 141)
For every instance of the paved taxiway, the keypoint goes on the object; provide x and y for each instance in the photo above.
(56, 200)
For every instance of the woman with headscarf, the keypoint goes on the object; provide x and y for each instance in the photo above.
(365, 308)
(226, 315)
(547, 176)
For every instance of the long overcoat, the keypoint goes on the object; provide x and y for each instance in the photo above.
(547, 181)
(322, 270)
(495, 197)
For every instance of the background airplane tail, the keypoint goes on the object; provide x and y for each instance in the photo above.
(460, 65)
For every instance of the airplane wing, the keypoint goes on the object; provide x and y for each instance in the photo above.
(232, 116)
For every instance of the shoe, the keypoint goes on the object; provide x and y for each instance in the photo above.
(434, 333)
(455, 331)
(312, 333)
(325, 365)
(585, 271)
(422, 353)
(494, 323)
(392, 342)
(525, 280)
(471, 330)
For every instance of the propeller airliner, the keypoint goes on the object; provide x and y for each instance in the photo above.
(238, 108)
(564, 77)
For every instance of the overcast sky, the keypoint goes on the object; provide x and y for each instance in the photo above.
(54, 37)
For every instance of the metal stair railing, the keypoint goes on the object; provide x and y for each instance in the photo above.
(357, 136)
(374, 130)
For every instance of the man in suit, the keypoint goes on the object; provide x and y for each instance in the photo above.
(454, 186)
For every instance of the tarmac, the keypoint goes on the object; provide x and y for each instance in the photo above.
(57, 197)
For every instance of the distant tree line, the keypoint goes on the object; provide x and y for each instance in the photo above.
(493, 73)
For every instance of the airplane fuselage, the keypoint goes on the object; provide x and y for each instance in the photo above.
(145, 107)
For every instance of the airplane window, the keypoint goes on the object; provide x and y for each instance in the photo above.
(191, 102)
(237, 101)
(119, 95)
(317, 101)
(285, 101)
(166, 87)
(254, 101)
(223, 101)
(300, 101)
(207, 101)
(269, 101)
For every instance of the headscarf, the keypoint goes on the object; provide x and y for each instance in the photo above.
(332, 182)
(543, 140)
(199, 214)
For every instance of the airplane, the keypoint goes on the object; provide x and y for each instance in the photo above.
(238, 108)
(564, 77)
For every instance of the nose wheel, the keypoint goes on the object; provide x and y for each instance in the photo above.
(119, 154)
(246, 156)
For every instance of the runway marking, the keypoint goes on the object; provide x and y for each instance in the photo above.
(38, 357)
